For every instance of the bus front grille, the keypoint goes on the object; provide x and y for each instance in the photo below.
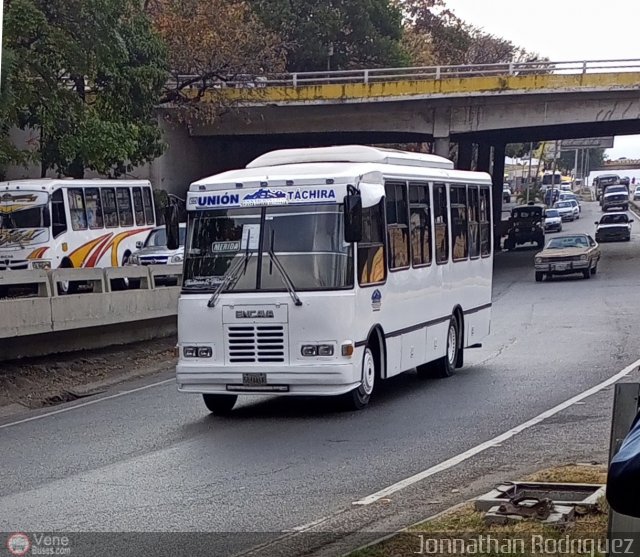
(263, 344)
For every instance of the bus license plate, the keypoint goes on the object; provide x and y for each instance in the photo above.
(251, 379)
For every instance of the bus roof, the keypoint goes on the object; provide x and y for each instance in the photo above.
(51, 184)
(350, 153)
(299, 172)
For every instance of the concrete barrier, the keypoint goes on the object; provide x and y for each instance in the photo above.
(47, 321)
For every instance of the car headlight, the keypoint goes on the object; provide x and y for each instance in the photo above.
(538, 259)
(197, 351)
(41, 264)
(583, 258)
(177, 258)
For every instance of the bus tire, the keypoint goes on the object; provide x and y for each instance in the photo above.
(67, 286)
(219, 405)
(445, 366)
(360, 397)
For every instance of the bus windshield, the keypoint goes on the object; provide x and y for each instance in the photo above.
(30, 217)
(306, 240)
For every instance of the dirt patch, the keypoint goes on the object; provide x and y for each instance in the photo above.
(50, 380)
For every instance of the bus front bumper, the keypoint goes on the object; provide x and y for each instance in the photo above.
(308, 380)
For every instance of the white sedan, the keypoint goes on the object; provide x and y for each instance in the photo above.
(568, 210)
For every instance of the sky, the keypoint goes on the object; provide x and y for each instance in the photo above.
(564, 30)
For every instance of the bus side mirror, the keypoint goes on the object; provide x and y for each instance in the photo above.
(352, 216)
(171, 225)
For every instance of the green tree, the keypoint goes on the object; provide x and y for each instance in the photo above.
(361, 33)
(452, 40)
(86, 75)
(567, 160)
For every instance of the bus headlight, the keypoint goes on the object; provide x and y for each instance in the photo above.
(42, 264)
(177, 258)
(310, 350)
(197, 351)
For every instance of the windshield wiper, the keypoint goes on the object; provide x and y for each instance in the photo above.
(230, 278)
(285, 276)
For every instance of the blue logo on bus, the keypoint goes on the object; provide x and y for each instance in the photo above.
(265, 193)
(376, 300)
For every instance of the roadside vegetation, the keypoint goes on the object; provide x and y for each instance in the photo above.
(82, 78)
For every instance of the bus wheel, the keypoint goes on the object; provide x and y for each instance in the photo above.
(445, 367)
(219, 405)
(360, 397)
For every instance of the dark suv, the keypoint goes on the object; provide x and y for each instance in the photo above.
(526, 225)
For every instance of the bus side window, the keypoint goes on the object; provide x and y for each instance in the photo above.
(485, 222)
(76, 208)
(138, 207)
(123, 198)
(109, 208)
(58, 216)
(459, 230)
(440, 214)
(420, 220)
(94, 208)
(371, 261)
(149, 213)
(397, 225)
(474, 224)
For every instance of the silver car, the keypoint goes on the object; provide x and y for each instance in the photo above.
(154, 250)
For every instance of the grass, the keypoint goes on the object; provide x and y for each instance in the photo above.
(462, 530)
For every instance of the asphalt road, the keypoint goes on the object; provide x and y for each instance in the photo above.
(154, 460)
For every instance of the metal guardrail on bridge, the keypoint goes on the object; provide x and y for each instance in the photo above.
(386, 75)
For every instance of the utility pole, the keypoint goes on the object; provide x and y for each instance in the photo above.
(553, 167)
(575, 168)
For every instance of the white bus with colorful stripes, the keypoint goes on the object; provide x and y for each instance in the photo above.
(67, 223)
(324, 271)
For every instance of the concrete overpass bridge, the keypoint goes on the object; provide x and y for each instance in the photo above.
(485, 105)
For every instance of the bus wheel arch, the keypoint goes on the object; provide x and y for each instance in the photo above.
(67, 286)
(375, 340)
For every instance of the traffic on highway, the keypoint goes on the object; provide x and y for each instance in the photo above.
(143, 457)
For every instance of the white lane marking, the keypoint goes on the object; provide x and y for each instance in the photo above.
(454, 461)
(88, 403)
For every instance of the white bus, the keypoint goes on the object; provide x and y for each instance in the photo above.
(48, 223)
(323, 271)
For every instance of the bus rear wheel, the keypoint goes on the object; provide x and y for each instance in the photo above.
(360, 397)
(219, 405)
(446, 366)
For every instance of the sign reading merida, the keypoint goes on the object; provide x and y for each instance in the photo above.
(262, 197)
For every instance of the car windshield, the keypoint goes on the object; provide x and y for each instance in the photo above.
(551, 213)
(158, 237)
(616, 189)
(614, 219)
(568, 242)
(562, 204)
(306, 240)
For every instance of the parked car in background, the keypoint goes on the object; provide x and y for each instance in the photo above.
(506, 194)
(613, 226)
(525, 225)
(568, 211)
(154, 251)
(636, 193)
(566, 255)
(552, 221)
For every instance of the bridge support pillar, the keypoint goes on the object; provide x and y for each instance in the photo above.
(465, 155)
(484, 158)
(498, 183)
(441, 146)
